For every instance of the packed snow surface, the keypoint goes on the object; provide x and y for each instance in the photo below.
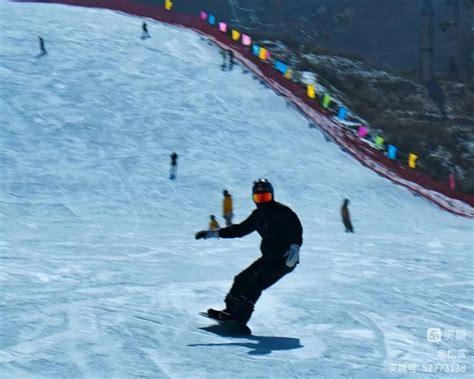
(100, 274)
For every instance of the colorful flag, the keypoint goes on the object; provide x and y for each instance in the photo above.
(235, 35)
(223, 27)
(379, 142)
(280, 66)
(342, 113)
(246, 40)
(452, 182)
(412, 160)
(255, 50)
(326, 100)
(392, 152)
(363, 131)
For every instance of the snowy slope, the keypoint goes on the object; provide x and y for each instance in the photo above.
(100, 275)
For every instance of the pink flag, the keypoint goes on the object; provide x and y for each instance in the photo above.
(452, 182)
(363, 131)
(246, 40)
(203, 15)
(223, 27)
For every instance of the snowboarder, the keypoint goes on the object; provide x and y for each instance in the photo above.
(213, 224)
(41, 46)
(282, 237)
(227, 208)
(173, 165)
(145, 33)
(346, 217)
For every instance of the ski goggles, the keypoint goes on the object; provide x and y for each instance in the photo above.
(262, 197)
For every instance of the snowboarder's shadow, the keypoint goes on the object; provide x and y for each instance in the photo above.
(258, 345)
(40, 55)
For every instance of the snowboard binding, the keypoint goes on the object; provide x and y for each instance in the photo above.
(225, 319)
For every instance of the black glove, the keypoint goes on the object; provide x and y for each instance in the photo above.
(206, 234)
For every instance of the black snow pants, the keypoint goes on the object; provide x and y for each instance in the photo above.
(348, 225)
(260, 275)
(249, 284)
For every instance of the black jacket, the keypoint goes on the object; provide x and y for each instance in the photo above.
(345, 214)
(278, 226)
(174, 159)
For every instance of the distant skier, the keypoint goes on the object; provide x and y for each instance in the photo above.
(282, 237)
(145, 33)
(346, 217)
(231, 59)
(213, 224)
(173, 165)
(224, 60)
(227, 60)
(41, 46)
(227, 208)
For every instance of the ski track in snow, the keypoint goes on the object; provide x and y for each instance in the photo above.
(100, 276)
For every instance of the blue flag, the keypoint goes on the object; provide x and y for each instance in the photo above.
(280, 66)
(392, 152)
(341, 115)
(256, 50)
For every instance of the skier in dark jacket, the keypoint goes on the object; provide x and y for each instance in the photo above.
(282, 237)
(231, 59)
(346, 217)
(41, 46)
(173, 165)
(145, 33)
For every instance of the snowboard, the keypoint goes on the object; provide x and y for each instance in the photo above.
(232, 326)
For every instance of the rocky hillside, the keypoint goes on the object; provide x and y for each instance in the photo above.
(435, 122)
(386, 32)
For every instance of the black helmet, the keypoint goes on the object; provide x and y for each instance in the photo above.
(262, 185)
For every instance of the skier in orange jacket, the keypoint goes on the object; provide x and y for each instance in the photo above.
(213, 224)
(227, 208)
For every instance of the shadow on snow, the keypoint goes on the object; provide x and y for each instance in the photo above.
(259, 345)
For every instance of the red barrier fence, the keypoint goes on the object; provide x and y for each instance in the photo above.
(420, 183)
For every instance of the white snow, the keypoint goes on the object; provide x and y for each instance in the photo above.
(100, 275)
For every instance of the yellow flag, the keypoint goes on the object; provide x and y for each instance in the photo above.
(168, 4)
(412, 160)
(289, 74)
(310, 91)
(235, 35)
(263, 53)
